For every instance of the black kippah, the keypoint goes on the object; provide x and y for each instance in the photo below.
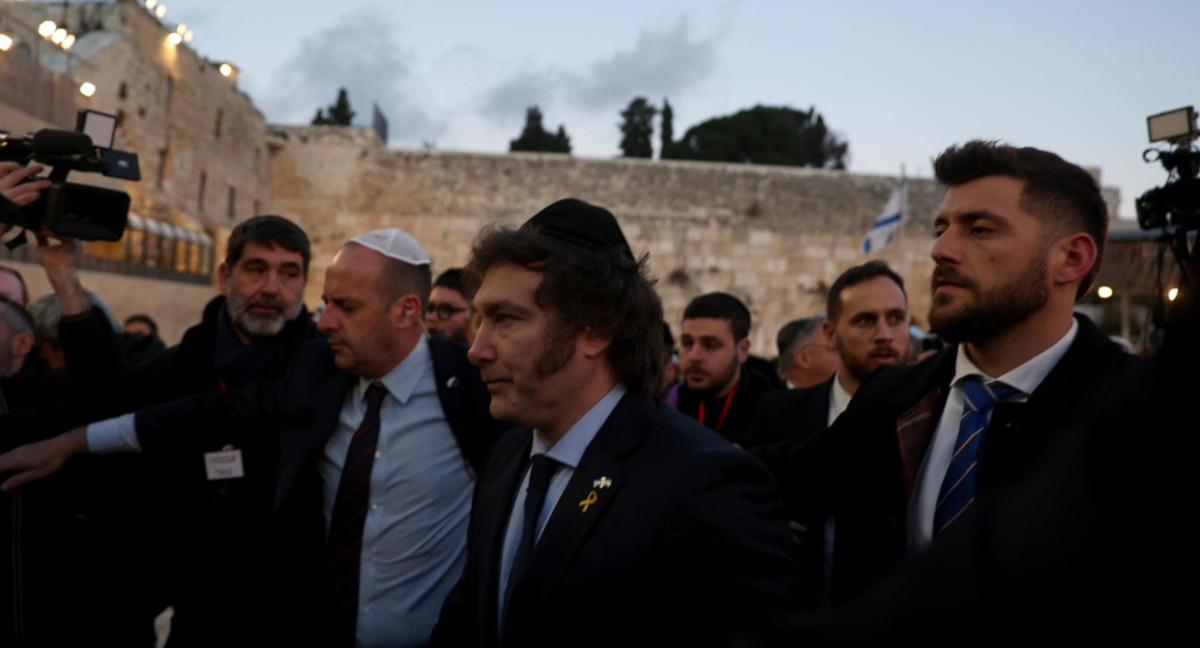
(578, 223)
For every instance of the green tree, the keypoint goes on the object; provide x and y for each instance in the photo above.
(667, 129)
(535, 138)
(637, 129)
(765, 135)
(339, 114)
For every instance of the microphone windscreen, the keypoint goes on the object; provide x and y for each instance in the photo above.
(52, 143)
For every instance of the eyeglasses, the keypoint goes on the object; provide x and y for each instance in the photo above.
(443, 312)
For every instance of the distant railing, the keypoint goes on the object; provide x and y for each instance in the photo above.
(150, 248)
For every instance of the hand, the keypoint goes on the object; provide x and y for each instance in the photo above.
(56, 258)
(12, 185)
(42, 459)
(798, 530)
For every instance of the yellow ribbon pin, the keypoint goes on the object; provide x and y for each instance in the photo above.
(591, 499)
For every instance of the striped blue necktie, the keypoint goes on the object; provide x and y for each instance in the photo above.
(958, 487)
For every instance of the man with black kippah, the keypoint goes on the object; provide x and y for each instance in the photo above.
(607, 518)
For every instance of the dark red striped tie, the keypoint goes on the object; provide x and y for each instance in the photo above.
(339, 579)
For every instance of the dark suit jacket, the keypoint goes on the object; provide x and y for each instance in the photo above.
(793, 415)
(789, 415)
(688, 542)
(294, 419)
(861, 471)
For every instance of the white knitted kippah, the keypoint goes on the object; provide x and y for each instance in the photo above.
(394, 243)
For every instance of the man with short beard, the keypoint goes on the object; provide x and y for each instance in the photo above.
(867, 322)
(719, 387)
(201, 525)
(1019, 239)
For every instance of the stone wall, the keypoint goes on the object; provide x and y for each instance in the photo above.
(183, 119)
(776, 237)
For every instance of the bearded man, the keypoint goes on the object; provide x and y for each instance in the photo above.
(1019, 239)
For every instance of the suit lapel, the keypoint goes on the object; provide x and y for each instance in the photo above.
(493, 504)
(816, 412)
(301, 442)
(928, 384)
(913, 431)
(592, 488)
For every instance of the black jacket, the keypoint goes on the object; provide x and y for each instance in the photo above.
(751, 385)
(289, 422)
(687, 541)
(861, 471)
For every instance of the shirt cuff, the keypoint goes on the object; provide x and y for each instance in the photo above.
(113, 436)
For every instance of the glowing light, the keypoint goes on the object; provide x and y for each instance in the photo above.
(188, 35)
(6, 42)
(181, 28)
(1172, 294)
(150, 4)
(160, 10)
(226, 70)
(174, 38)
(46, 28)
(58, 36)
(87, 88)
(1104, 292)
(68, 41)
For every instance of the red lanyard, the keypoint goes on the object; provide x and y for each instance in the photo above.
(724, 409)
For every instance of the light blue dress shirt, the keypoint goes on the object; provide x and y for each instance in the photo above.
(567, 452)
(415, 534)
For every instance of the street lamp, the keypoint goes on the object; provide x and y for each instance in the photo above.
(87, 88)
(47, 28)
(6, 42)
(174, 38)
(68, 41)
(1104, 292)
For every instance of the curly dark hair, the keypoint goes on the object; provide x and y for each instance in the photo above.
(1063, 194)
(603, 291)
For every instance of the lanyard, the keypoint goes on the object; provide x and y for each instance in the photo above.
(724, 408)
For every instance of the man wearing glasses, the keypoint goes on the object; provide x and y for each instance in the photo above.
(448, 312)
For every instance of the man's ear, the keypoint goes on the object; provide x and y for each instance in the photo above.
(1073, 258)
(800, 357)
(23, 344)
(826, 336)
(406, 311)
(223, 272)
(592, 346)
(743, 349)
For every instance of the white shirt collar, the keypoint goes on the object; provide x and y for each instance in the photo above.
(570, 448)
(1025, 377)
(839, 395)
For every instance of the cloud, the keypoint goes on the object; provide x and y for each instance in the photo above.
(661, 63)
(666, 62)
(507, 102)
(360, 53)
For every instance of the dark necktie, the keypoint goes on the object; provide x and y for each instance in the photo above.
(541, 468)
(339, 579)
(958, 487)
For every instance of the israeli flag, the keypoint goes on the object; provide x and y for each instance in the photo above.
(886, 224)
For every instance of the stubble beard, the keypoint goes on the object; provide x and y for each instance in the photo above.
(994, 311)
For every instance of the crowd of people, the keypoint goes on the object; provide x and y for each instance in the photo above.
(514, 453)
